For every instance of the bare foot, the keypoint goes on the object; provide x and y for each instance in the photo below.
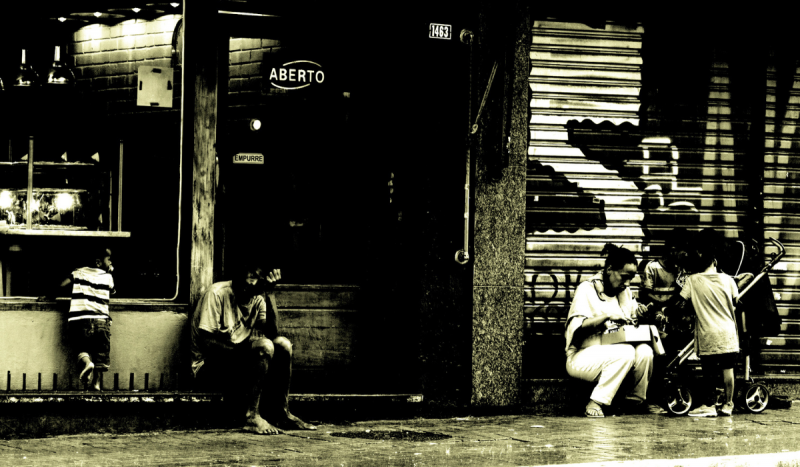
(258, 425)
(95, 385)
(290, 422)
(87, 374)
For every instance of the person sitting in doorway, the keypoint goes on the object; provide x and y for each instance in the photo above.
(235, 342)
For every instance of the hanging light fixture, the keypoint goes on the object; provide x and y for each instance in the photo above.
(60, 73)
(27, 76)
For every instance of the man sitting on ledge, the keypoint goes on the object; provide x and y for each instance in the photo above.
(235, 342)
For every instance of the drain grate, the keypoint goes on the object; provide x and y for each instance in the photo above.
(403, 435)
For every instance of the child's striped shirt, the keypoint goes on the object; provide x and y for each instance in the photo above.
(91, 290)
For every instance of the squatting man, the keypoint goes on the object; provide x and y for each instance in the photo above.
(235, 342)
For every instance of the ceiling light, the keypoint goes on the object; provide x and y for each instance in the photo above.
(175, 4)
(62, 19)
(136, 10)
(255, 124)
(98, 14)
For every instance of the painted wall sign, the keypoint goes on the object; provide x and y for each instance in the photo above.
(297, 74)
(248, 158)
(440, 31)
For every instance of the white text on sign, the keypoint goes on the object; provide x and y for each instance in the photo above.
(248, 158)
(440, 31)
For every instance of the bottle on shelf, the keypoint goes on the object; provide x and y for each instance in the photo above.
(27, 76)
(60, 73)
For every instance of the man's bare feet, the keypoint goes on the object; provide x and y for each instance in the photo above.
(290, 422)
(258, 425)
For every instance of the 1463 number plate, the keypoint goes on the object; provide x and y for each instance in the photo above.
(440, 31)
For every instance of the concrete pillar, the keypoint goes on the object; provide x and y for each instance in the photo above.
(499, 203)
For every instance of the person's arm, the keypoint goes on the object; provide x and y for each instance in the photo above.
(51, 296)
(597, 324)
(272, 279)
(268, 318)
(646, 292)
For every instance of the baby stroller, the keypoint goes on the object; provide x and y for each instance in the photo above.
(751, 396)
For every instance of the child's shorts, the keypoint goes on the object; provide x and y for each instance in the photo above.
(92, 336)
(722, 361)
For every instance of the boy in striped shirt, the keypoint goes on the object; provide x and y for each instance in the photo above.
(88, 323)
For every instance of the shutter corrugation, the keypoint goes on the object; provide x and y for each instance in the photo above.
(781, 354)
(596, 175)
(575, 204)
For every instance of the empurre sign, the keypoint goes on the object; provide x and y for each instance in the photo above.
(248, 158)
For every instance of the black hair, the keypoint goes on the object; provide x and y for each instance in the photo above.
(618, 257)
(247, 267)
(704, 248)
(98, 253)
(677, 238)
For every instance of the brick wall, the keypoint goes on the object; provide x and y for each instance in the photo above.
(245, 68)
(106, 60)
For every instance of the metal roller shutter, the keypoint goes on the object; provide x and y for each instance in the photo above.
(781, 354)
(598, 174)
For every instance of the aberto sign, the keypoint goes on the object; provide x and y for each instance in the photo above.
(297, 74)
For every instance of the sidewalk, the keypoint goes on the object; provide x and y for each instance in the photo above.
(768, 439)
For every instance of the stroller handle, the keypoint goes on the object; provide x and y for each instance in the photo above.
(775, 258)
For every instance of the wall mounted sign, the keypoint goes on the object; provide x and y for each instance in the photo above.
(248, 158)
(297, 74)
(440, 31)
(155, 87)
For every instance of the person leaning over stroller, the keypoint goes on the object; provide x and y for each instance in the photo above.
(605, 297)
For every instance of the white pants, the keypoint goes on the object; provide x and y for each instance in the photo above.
(609, 365)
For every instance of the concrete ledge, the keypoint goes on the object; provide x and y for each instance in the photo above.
(14, 397)
(561, 394)
(36, 414)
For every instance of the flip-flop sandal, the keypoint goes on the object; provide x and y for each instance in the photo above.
(86, 374)
(594, 412)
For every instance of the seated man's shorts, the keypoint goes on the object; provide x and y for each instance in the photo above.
(223, 368)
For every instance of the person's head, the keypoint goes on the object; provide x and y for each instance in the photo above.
(676, 247)
(620, 268)
(101, 258)
(249, 280)
(702, 255)
(702, 250)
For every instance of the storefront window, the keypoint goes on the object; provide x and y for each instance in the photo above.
(82, 166)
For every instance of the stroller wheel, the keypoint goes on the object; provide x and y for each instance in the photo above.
(755, 398)
(678, 400)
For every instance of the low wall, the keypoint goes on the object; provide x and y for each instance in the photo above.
(150, 342)
(34, 346)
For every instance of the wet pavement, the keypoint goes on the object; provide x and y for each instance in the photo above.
(769, 438)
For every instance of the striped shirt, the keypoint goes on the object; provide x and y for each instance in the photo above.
(91, 290)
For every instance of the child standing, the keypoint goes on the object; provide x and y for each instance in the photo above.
(89, 323)
(716, 338)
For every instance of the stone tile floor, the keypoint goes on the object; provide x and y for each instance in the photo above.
(511, 440)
